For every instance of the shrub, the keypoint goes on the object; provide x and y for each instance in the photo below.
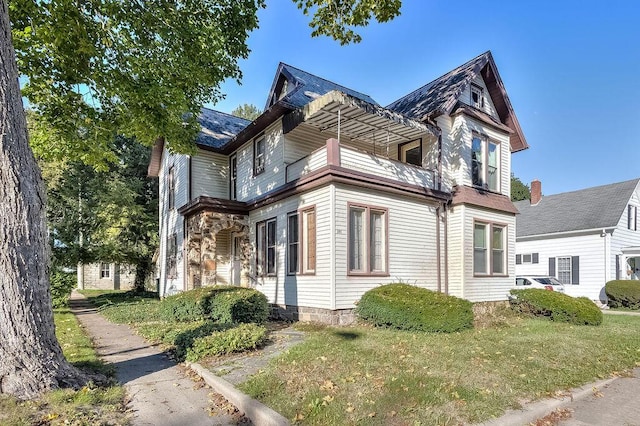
(408, 307)
(62, 284)
(241, 338)
(556, 306)
(225, 304)
(185, 338)
(623, 294)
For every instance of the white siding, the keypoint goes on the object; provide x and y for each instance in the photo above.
(623, 237)
(455, 249)
(297, 290)
(209, 175)
(465, 98)
(477, 289)
(591, 250)
(170, 221)
(412, 243)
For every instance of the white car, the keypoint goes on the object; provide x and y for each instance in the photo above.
(539, 281)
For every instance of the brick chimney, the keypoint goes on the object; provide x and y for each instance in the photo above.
(536, 191)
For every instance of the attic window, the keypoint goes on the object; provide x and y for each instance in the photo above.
(477, 96)
(283, 90)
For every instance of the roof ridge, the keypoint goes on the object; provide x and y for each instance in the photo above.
(325, 79)
(593, 187)
(225, 113)
(439, 77)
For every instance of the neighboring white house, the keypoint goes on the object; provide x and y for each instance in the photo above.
(327, 194)
(106, 276)
(584, 238)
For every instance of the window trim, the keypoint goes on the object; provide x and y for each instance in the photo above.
(485, 141)
(302, 265)
(570, 262)
(262, 256)
(172, 256)
(233, 177)
(260, 138)
(480, 91)
(171, 188)
(489, 248)
(632, 217)
(402, 152)
(368, 209)
(102, 271)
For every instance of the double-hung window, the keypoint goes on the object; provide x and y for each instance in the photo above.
(485, 163)
(477, 96)
(172, 255)
(301, 242)
(171, 188)
(259, 146)
(489, 254)
(367, 240)
(632, 218)
(233, 175)
(105, 270)
(564, 269)
(266, 247)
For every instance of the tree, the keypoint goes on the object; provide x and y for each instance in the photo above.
(97, 69)
(519, 191)
(248, 111)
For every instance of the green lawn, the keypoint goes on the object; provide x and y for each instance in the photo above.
(361, 375)
(89, 406)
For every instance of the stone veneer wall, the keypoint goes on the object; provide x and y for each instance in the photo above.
(306, 314)
(121, 277)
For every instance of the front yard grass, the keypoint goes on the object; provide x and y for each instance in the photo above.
(362, 375)
(90, 405)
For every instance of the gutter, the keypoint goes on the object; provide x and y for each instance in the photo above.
(577, 232)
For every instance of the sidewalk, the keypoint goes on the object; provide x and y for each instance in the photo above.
(161, 394)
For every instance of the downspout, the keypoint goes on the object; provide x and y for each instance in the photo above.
(446, 252)
(438, 260)
(439, 158)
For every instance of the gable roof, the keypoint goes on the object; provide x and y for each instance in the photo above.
(592, 208)
(306, 87)
(218, 128)
(441, 95)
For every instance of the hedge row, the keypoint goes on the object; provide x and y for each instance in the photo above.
(407, 307)
(223, 304)
(556, 306)
(623, 294)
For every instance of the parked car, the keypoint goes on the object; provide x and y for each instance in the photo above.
(539, 281)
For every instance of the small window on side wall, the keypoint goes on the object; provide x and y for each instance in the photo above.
(259, 147)
(105, 270)
(477, 96)
(171, 188)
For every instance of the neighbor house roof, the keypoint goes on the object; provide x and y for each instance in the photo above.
(599, 207)
(303, 87)
(441, 96)
(218, 128)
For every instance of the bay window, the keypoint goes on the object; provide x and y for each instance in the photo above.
(489, 254)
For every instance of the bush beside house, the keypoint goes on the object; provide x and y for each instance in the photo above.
(408, 307)
(623, 294)
(556, 306)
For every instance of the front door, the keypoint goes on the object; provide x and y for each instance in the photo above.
(236, 261)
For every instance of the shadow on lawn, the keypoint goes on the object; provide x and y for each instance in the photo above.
(347, 335)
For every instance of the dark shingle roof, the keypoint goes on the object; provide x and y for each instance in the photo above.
(592, 208)
(218, 127)
(309, 87)
(440, 95)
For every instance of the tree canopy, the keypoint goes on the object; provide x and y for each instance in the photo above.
(248, 111)
(519, 191)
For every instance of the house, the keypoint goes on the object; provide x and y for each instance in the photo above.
(328, 194)
(106, 276)
(584, 238)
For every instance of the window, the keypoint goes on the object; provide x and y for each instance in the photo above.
(411, 152)
(485, 163)
(258, 155)
(632, 218)
(172, 254)
(527, 258)
(477, 96)
(105, 272)
(171, 188)
(266, 247)
(301, 242)
(233, 175)
(367, 240)
(489, 254)
(564, 270)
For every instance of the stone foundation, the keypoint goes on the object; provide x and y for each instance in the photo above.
(488, 308)
(306, 314)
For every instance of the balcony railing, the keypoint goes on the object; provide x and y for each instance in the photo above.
(360, 161)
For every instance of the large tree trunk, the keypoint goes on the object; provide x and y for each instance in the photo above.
(31, 360)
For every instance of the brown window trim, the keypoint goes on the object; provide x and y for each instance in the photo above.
(258, 138)
(263, 262)
(400, 145)
(299, 213)
(486, 140)
(367, 272)
(490, 274)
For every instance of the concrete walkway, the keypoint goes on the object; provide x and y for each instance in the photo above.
(161, 394)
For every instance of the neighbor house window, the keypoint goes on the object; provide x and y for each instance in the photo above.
(489, 253)
(485, 163)
(301, 242)
(258, 155)
(233, 176)
(564, 270)
(367, 240)
(172, 255)
(105, 272)
(266, 247)
(171, 188)
(632, 218)
(526, 258)
(411, 152)
(477, 96)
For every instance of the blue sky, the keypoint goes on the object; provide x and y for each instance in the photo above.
(571, 69)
